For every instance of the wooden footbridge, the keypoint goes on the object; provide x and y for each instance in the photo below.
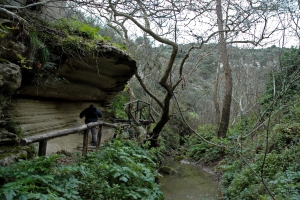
(138, 113)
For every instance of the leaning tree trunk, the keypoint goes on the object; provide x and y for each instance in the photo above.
(223, 126)
(161, 123)
(131, 93)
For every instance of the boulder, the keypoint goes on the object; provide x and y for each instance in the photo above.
(10, 77)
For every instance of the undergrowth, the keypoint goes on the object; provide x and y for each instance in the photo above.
(119, 170)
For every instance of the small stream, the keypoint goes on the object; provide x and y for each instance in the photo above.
(189, 182)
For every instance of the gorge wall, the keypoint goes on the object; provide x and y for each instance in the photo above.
(36, 98)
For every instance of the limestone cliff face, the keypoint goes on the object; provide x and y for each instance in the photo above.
(55, 101)
(35, 116)
(56, 105)
(49, 74)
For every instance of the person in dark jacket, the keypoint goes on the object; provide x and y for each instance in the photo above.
(91, 114)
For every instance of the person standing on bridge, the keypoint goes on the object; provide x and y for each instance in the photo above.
(91, 115)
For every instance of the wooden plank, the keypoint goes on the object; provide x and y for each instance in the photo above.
(114, 125)
(146, 122)
(85, 142)
(90, 148)
(137, 111)
(99, 137)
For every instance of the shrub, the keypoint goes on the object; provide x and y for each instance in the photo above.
(117, 106)
(75, 27)
(39, 179)
(280, 172)
(199, 150)
(120, 170)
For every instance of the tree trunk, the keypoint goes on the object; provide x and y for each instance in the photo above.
(131, 94)
(216, 101)
(223, 126)
(161, 123)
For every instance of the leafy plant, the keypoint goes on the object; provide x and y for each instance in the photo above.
(117, 106)
(39, 179)
(38, 48)
(23, 61)
(75, 27)
(119, 170)
(5, 30)
(286, 81)
(281, 172)
(198, 150)
(123, 171)
(14, 127)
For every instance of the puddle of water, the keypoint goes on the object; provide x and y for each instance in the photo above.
(190, 182)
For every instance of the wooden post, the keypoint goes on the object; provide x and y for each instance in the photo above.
(99, 137)
(129, 105)
(136, 112)
(149, 110)
(85, 141)
(42, 148)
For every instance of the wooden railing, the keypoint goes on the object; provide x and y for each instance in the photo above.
(43, 138)
(139, 112)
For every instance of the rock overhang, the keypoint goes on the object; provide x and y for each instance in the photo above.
(95, 76)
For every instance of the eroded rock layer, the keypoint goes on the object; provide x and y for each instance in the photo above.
(56, 101)
(97, 76)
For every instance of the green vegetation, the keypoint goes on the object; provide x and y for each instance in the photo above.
(197, 150)
(74, 37)
(67, 36)
(38, 49)
(117, 106)
(75, 27)
(50, 43)
(119, 170)
(2, 60)
(4, 30)
(286, 82)
(39, 179)
(264, 163)
(14, 128)
(254, 165)
(125, 171)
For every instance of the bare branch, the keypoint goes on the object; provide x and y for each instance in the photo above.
(13, 15)
(148, 91)
(202, 138)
